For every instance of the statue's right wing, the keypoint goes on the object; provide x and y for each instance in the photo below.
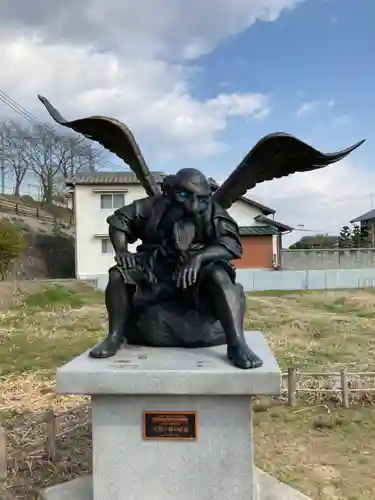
(114, 136)
(275, 156)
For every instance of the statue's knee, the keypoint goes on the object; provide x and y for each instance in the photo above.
(220, 276)
(114, 276)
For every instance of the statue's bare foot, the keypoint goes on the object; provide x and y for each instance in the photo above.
(242, 356)
(107, 348)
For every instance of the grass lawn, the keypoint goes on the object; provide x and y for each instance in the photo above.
(323, 450)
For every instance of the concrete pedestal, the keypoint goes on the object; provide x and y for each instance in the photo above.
(217, 464)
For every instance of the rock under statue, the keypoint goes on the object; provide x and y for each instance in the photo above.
(178, 289)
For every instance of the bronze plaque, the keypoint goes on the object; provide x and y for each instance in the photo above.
(170, 425)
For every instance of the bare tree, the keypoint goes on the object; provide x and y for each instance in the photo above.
(47, 154)
(39, 150)
(81, 154)
(13, 157)
(53, 158)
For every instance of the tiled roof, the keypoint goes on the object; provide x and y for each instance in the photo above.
(366, 216)
(257, 230)
(93, 178)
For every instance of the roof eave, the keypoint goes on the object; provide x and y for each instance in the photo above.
(263, 208)
(110, 183)
(279, 225)
(361, 218)
(366, 216)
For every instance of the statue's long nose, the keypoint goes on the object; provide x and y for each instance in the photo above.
(194, 204)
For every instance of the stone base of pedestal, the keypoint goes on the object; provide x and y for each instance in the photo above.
(218, 464)
(81, 489)
(198, 442)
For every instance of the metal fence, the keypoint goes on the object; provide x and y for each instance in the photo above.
(23, 209)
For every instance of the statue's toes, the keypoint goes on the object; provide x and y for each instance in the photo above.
(243, 357)
(103, 350)
(255, 361)
(98, 352)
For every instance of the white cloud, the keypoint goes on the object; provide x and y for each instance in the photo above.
(322, 200)
(331, 103)
(307, 108)
(129, 60)
(133, 60)
(146, 27)
(82, 82)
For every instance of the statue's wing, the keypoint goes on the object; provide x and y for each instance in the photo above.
(276, 155)
(114, 136)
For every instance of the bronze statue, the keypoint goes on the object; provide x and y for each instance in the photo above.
(179, 288)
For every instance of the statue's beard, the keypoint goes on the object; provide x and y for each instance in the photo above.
(186, 226)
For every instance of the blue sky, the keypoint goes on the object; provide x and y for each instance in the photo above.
(200, 83)
(316, 62)
(320, 52)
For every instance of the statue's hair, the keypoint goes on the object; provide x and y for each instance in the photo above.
(167, 186)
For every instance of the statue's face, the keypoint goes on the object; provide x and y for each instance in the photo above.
(192, 191)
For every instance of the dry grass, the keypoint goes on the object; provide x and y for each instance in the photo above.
(320, 331)
(321, 449)
(325, 452)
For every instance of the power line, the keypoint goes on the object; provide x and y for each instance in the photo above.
(15, 106)
(315, 231)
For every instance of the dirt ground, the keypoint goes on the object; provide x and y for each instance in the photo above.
(318, 447)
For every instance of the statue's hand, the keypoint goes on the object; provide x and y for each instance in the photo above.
(188, 272)
(127, 260)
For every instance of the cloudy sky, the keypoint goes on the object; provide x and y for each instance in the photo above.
(199, 82)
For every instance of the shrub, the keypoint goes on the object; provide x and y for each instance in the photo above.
(29, 200)
(12, 243)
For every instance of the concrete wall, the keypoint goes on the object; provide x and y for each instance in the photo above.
(356, 258)
(92, 228)
(259, 279)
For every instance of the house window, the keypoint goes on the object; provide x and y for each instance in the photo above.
(107, 247)
(112, 201)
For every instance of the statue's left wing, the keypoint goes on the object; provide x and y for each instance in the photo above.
(276, 155)
(114, 136)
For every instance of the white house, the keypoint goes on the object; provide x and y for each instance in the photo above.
(95, 195)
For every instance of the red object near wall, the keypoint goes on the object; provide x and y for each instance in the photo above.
(257, 252)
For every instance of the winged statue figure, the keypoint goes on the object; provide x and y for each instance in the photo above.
(179, 288)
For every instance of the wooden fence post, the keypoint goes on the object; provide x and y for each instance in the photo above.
(3, 454)
(51, 436)
(344, 389)
(292, 385)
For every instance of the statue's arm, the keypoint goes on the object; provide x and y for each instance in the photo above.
(118, 239)
(227, 244)
(125, 224)
(216, 252)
